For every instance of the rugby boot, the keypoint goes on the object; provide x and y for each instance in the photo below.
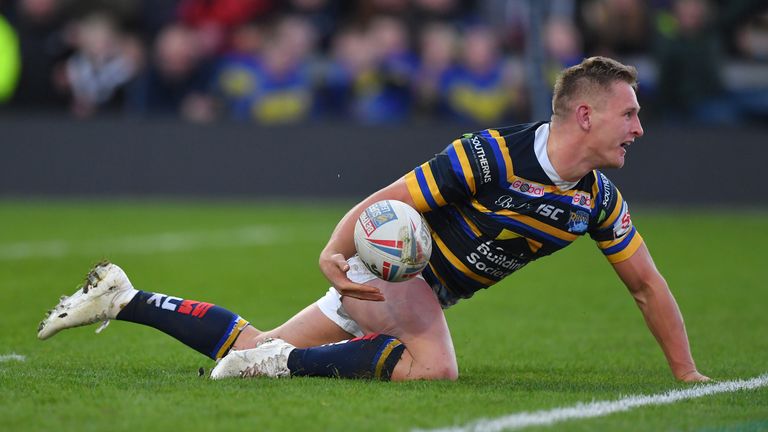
(104, 293)
(269, 359)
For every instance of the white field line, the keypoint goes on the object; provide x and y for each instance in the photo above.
(602, 408)
(12, 357)
(145, 244)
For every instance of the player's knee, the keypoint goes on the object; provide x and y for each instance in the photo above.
(444, 371)
(434, 368)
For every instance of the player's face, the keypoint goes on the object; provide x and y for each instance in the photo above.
(615, 125)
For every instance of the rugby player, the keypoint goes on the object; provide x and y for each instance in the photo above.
(495, 200)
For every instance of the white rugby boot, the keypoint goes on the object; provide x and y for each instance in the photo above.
(269, 359)
(104, 294)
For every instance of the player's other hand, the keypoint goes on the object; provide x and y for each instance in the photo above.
(335, 267)
(693, 377)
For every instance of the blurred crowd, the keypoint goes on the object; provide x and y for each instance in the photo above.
(372, 61)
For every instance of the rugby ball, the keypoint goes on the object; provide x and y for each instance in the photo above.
(393, 240)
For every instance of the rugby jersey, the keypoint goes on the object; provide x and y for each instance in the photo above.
(492, 208)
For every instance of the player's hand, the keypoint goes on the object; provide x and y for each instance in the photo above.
(693, 377)
(335, 268)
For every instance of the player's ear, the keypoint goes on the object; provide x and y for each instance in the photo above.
(584, 116)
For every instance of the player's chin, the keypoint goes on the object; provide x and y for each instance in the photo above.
(618, 161)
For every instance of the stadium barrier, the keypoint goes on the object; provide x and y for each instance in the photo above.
(55, 157)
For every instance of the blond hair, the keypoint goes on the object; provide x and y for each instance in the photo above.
(592, 75)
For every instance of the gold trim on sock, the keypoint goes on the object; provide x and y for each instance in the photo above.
(384, 356)
(236, 330)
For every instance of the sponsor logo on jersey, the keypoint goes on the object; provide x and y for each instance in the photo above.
(582, 199)
(623, 224)
(493, 261)
(375, 216)
(481, 158)
(527, 187)
(176, 304)
(507, 202)
(606, 190)
(550, 211)
(578, 222)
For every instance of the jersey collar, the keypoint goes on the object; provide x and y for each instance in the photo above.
(540, 147)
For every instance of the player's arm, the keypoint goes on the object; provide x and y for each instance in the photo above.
(660, 311)
(333, 258)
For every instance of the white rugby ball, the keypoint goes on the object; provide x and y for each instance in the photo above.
(393, 240)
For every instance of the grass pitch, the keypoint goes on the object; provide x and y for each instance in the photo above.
(559, 332)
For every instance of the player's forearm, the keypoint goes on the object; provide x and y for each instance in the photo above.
(342, 238)
(665, 321)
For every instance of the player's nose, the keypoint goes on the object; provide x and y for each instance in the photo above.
(637, 128)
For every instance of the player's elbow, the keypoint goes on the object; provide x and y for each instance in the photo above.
(646, 282)
(646, 288)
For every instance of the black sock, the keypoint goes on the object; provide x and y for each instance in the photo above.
(371, 356)
(205, 327)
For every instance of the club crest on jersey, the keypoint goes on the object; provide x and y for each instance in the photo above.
(376, 216)
(527, 187)
(582, 199)
(578, 222)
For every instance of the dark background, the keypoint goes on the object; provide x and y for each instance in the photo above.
(58, 157)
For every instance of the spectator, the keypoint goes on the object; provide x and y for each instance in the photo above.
(483, 88)
(42, 45)
(324, 15)
(372, 71)
(615, 27)
(690, 55)
(510, 21)
(562, 43)
(176, 82)
(104, 61)
(351, 63)
(215, 20)
(153, 16)
(752, 38)
(438, 45)
(276, 84)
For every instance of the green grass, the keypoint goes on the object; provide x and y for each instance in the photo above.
(561, 331)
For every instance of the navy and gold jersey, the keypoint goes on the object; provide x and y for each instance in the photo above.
(493, 208)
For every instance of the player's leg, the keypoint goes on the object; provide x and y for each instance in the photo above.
(310, 327)
(413, 315)
(107, 294)
(406, 337)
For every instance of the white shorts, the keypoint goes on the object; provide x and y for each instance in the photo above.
(330, 303)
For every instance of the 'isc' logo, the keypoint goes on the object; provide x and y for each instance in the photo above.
(176, 304)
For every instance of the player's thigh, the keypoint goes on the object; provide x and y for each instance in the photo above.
(310, 327)
(411, 313)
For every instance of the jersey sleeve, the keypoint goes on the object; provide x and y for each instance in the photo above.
(455, 174)
(613, 230)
